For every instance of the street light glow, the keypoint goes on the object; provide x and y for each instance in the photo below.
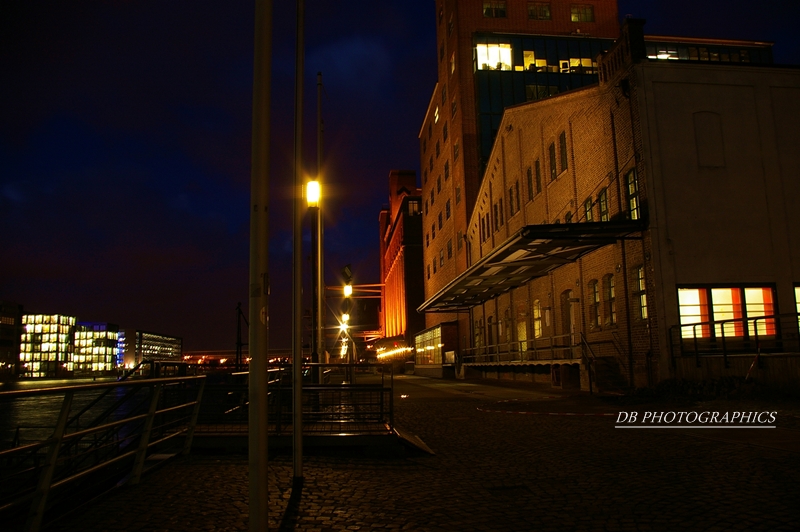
(348, 290)
(313, 193)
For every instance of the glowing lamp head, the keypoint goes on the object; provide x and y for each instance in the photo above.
(313, 193)
(348, 290)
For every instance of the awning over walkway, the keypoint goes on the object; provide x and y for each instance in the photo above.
(531, 253)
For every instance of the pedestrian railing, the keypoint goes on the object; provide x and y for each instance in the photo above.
(558, 347)
(59, 444)
(336, 399)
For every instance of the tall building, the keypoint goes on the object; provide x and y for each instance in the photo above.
(491, 55)
(10, 334)
(47, 345)
(638, 229)
(401, 259)
(96, 348)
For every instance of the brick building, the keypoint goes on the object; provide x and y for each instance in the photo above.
(616, 225)
(401, 259)
(491, 55)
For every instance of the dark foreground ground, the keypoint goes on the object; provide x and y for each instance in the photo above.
(507, 458)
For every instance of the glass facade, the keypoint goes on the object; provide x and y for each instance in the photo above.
(96, 347)
(46, 345)
(429, 347)
(512, 69)
(672, 51)
(734, 311)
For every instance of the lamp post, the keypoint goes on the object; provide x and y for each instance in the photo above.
(313, 197)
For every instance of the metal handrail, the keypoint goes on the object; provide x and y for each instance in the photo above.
(535, 349)
(72, 453)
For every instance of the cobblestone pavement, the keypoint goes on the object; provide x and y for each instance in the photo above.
(502, 463)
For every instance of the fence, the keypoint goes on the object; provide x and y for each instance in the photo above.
(86, 436)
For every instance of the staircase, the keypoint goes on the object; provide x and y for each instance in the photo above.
(608, 376)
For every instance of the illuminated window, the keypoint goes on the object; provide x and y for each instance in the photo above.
(537, 319)
(436, 115)
(496, 9)
(539, 10)
(594, 304)
(733, 311)
(581, 13)
(602, 204)
(632, 188)
(494, 56)
(588, 211)
(453, 62)
(640, 291)
(553, 169)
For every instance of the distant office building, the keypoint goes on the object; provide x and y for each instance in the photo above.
(96, 348)
(137, 346)
(401, 260)
(10, 334)
(46, 345)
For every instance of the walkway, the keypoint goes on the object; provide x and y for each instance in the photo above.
(507, 458)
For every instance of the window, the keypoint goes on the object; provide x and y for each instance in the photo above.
(441, 258)
(450, 249)
(568, 218)
(581, 13)
(446, 170)
(562, 150)
(516, 189)
(640, 291)
(553, 169)
(530, 183)
(444, 131)
(432, 197)
(587, 210)
(436, 115)
(440, 219)
(452, 62)
(539, 10)
(594, 304)
(537, 319)
(602, 204)
(632, 188)
(455, 151)
(496, 9)
(413, 207)
(610, 299)
(447, 210)
(496, 56)
(453, 108)
(726, 311)
(438, 184)
(433, 231)
(434, 265)
(458, 194)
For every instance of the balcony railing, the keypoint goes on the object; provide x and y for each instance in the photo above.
(559, 347)
(763, 334)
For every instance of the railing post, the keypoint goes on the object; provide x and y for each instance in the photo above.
(144, 440)
(187, 446)
(46, 477)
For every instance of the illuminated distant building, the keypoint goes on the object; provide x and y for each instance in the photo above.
(46, 345)
(10, 331)
(401, 259)
(96, 347)
(137, 346)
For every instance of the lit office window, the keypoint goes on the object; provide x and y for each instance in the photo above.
(496, 9)
(581, 13)
(494, 56)
(539, 10)
(632, 188)
(640, 291)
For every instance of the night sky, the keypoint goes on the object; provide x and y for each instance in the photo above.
(125, 144)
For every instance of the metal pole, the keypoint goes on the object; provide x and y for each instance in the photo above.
(297, 256)
(320, 295)
(258, 332)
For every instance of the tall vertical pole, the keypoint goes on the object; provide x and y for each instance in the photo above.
(320, 295)
(297, 257)
(259, 261)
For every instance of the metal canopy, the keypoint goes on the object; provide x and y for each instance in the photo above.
(533, 252)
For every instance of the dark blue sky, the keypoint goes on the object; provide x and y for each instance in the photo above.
(125, 144)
